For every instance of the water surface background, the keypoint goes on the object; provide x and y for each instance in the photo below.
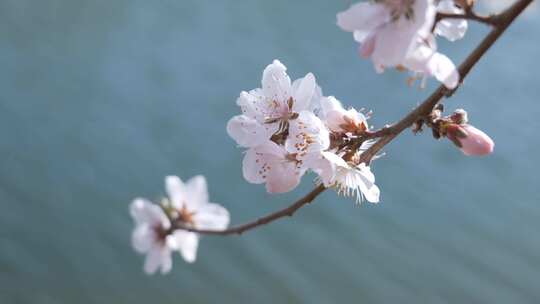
(99, 100)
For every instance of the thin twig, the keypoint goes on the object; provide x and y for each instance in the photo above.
(289, 211)
(501, 22)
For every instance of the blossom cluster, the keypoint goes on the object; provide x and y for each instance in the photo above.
(290, 128)
(401, 34)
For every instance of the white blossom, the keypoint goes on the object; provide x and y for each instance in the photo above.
(397, 33)
(388, 29)
(151, 235)
(425, 61)
(337, 119)
(155, 234)
(267, 110)
(282, 167)
(350, 179)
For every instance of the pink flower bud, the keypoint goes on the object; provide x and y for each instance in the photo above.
(470, 140)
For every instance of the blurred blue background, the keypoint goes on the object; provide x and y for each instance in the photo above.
(99, 100)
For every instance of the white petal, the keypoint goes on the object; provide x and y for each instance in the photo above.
(176, 190)
(146, 212)
(303, 91)
(196, 192)
(259, 160)
(276, 84)
(452, 29)
(335, 159)
(143, 238)
(325, 169)
(253, 104)
(166, 261)
(248, 132)
(362, 18)
(367, 184)
(283, 177)
(187, 243)
(211, 216)
(372, 194)
(307, 134)
(155, 258)
(330, 103)
(444, 70)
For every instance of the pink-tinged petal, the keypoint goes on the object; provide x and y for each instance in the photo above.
(284, 177)
(444, 70)
(276, 84)
(303, 91)
(188, 242)
(392, 45)
(260, 160)
(363, 17)
(366, 49)
(143, 238)
(155, 258)
(211, 216)
(254, 104)
(176, 190)
(248, 132)
(307, 134)
(145, 212)
(166, 261)
(396, 39)
(476, 143)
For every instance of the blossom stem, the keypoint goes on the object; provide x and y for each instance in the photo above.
(500, 23)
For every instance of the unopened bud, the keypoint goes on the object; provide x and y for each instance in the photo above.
(471, 141)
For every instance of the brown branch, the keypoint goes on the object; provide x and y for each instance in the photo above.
(289, 211)
(503, 21)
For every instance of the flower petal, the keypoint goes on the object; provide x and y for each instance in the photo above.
(259, 160)
(303, 91)
(276, 84)
(196, 192)
(143, 238)
(187, 244)
(248, 132)
(176, 190)
(146, 212)
(444, 70)
(362, 18)
(451, 29)
(283, 178)
(307, 134)
(155, 258)
(253, 104)
(211, 216)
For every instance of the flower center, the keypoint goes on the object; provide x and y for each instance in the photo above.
(161, 233)
(185, 216)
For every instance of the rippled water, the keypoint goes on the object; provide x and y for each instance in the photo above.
(99, 100)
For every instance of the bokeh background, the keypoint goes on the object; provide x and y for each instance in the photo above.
(99, 100)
